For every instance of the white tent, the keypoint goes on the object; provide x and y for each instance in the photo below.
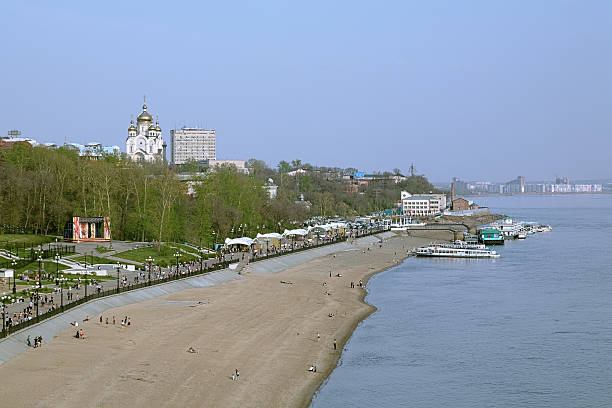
(269, 235)
(299, 231)
(319, 228)
(239, 241)
(338, 225)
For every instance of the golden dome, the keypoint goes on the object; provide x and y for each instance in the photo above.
(157, 126)
(145, 116)
(151, 127)
(132, 128)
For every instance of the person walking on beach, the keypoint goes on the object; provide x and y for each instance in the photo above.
(318, 336)
(237, 375)
(114, 321)
(100, 319)
(335, 346)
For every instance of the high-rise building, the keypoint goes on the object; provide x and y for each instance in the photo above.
(144, 142)
(192, 144)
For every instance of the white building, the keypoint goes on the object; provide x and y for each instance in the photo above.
(423, 204)
(240, 165)
(272, 190)
(92, 150)
(192, 144)
(144, 142)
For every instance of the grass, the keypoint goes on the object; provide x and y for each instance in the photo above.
(33, 282)
(20, 252)
(182, 246)
(47, 266)
(28, 239)
(103, 250)
(92, 259)
(163, 257)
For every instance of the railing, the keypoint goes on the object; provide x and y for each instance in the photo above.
(174, 276)
(104, 293)
(27, 251)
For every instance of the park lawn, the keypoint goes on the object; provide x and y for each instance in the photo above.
(28, 239)
(92, 259)
(163, 257)
(182, 246)
(21, 252)
(33, 282)
(103, 250)
(47, 266)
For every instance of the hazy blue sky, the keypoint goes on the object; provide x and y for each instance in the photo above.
(475, 89)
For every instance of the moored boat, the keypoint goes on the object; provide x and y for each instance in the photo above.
(490, 236)
(446, 251)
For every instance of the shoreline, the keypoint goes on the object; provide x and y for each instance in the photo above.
(346, 337)
(266, 330)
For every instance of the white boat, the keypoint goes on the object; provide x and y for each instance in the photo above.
(446, 251)
(521, 235)
(461, 244)
(508, 228)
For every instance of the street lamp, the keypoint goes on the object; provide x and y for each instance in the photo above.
(39, 270)
(201, 251)
(177, 255)
(3, 314)
(57, 258)
(62, 280)
(14, 264)
(118, 269)
(150, 261)
(37, 299)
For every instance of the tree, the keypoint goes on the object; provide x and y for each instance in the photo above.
(283, 167)
(168, 190)
(295, 164)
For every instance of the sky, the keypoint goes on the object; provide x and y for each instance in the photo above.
(481, 90)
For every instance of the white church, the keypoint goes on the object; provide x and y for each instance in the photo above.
(144, 142)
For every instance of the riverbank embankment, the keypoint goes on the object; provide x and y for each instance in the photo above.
(271, 327)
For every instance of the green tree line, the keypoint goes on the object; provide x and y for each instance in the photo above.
(42, 188)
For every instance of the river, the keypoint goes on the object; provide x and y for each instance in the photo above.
(532, 328)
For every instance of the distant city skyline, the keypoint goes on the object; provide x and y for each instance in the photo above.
(474, 89)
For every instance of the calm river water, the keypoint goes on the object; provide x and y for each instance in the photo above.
(532, 328)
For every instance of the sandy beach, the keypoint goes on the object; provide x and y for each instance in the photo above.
(264, 328)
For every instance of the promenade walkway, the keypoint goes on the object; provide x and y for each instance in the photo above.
(16, 343)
